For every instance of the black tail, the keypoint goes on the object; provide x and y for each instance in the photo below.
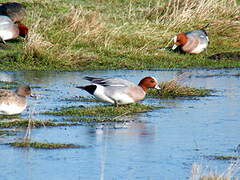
(92, 78)
(204, 29)
(89, 88)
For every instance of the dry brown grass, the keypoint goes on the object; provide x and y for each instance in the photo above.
(176, 14)
(176, 88)
(200, 173)
(75, 25)
(83, 22)
(35, 43)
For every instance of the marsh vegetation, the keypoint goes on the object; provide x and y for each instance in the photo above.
(78, 35)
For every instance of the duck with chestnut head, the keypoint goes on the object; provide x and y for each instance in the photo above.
(193, 42)
(9, 30)
(119, 91)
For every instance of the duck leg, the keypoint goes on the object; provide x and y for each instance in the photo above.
(1, 39)
(115, 103)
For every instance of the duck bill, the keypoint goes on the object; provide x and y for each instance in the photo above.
(174, 47)
(33, 96)
(157, 87)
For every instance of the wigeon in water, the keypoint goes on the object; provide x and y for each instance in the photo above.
(15, 11)
(9, 30)
(119, 91)
(14, 102)
(193, 42)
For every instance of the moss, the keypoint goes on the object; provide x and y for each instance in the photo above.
(102, 111)
(223, 157)
(95, 119)
(35, 123)
(9, 82)
(81, 99)
(40, 145)
(170, 89)
(15, 116)
(7, 132)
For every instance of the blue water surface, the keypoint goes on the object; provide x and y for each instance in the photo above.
(159, 145)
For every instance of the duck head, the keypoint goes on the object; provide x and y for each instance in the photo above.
(148, 82)
(23, 30)
(24, 91)
(179, 40)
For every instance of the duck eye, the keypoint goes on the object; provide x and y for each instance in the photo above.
(152, 81)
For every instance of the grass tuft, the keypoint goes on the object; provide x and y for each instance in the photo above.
(222, 157)
(40, 145)
(81, 99)
(35, 124)
(172, 89)
(200, 173)
(102, 111)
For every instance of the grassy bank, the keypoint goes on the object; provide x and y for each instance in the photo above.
(104, 113)
(78, 35)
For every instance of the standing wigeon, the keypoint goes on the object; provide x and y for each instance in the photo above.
(15, 11)
(193, 42)
(119, 91)
(9, 30)
(14, 102)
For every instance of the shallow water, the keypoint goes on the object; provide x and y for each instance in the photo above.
(162, 144)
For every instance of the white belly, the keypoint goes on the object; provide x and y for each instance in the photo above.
(120, 98)
(10, 109)
(199, 48)
(6, 35)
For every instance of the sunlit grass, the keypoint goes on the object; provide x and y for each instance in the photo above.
(171, 89)
(77, 35)
(35, 123)
(175, 88)
(203, 173)
(102, 111)
(41, 145)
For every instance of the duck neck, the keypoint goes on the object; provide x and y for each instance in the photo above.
(143, 87)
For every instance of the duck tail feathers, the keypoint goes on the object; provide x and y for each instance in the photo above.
(89, 88)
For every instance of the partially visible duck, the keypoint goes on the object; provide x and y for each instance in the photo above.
(15, 11)
(193, 42)
(9, 30)
(14, 102)
(119, 91)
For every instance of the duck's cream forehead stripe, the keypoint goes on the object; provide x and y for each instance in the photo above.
(155, 79)
(175, 39)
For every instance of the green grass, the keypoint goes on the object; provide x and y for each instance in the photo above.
(40, 145)
(81, 99)
(102, 111)
(223, 157)
(35, 123)
(7, 132)
(168, 90)
(94, 119)
(79, 35)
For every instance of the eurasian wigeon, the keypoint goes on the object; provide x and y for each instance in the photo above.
(10, 30)
(15, 11)
(193, 42)
(119, 91)
(14, 102)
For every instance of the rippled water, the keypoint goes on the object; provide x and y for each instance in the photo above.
(162, 144)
